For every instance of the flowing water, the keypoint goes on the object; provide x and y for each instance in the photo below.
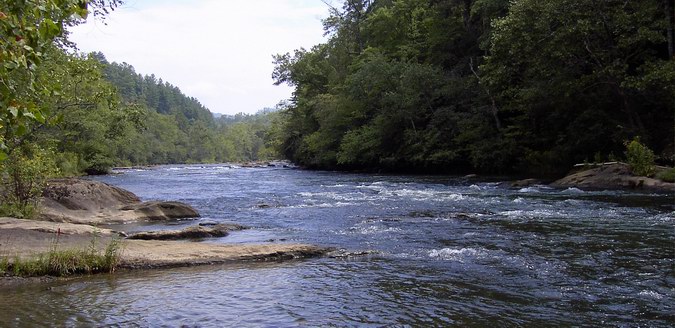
(415, 251)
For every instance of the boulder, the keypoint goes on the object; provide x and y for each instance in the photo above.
(93, 202)
(79, 194)
(612, 176)
(192, 232)
(160, 211)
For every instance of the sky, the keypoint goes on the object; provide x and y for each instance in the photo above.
(218, 51)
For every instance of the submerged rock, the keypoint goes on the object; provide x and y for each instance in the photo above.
(525, 183)
(193, 232)
(612, 176)
(93, 202)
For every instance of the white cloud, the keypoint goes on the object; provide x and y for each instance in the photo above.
(218, 51)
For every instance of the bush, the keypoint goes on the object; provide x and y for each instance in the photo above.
(640, 158)
(99, 164)
(67, 163)
(667, 175)
(23, 176)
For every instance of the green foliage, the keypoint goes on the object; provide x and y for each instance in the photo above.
(640, 158)
(23, 176)
(29, 29)
(666, 175)
(175, 128)
(448, 86)
(66, 262)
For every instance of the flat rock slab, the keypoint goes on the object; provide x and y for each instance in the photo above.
(156, 253)
(52, 227)
(19, 238)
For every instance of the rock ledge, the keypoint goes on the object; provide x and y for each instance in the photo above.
(92, 202)
(612, 176)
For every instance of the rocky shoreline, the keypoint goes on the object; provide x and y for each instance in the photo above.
(612, 176)
(605, 176)
(76, 213)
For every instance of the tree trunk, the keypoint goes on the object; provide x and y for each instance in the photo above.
(670, 16)
(634, 119)
(493, 108)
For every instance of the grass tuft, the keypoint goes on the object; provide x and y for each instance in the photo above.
(65, 262)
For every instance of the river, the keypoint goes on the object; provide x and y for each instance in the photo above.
(414, 251)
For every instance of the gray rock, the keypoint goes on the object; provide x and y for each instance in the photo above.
(92, 202)
(159, 211)
(192, 232)
(612, 176)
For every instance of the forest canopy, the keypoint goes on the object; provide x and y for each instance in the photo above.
(433, 86)
(497, 86)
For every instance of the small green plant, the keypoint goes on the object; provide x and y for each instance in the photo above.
(66, 262)
(612, 158)
(4, 266)
(667, 175)
(640, 158)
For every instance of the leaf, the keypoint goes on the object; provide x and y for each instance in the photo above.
(21, 130)
(39, 117)
(14, 111)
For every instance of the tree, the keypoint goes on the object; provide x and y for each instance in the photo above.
(575, 79)
(29, 29)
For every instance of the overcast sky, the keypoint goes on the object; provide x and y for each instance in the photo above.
(218, 51)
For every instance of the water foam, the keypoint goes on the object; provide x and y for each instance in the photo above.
(454, 254)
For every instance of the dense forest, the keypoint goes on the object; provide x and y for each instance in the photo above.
(176, 128)
(444, 86)
(105, 115)
(64, 113)
(498, 86)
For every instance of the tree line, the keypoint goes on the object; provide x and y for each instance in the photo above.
(64, 113)
(178, 129)
(494, 86)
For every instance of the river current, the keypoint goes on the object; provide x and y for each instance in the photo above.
(413, 251)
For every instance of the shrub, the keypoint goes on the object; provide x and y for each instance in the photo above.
(98, 164)
(640, 158)
(23, 176)
(667, 175)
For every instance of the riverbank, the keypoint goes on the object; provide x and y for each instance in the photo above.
(27, 239)
(76, 214)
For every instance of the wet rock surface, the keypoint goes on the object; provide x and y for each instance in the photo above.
(192, 232)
